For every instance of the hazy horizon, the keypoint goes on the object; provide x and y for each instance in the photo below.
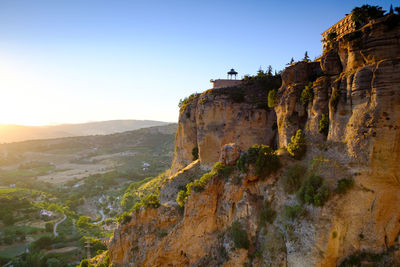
(74, 62)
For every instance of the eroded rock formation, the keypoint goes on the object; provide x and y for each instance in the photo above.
(357, 86)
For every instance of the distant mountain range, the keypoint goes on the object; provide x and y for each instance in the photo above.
(15, 133)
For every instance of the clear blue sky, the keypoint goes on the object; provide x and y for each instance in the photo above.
(78, 61)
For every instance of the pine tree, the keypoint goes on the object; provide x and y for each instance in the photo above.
(391, 9)
(306, 57)
(269, 70)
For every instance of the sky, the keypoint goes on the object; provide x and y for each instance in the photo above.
(74, 61)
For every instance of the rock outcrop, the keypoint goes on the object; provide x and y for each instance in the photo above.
(357, 86)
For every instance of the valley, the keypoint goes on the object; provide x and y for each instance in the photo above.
(57, 194)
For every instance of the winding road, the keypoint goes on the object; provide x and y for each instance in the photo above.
(57, 223)
(102, 217)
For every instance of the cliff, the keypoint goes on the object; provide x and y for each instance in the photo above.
(238, 214)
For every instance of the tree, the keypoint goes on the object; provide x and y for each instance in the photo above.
(306, 57)
(291, 61)
(391, 9)
(297, 146)
(362, 15)
(269, 71)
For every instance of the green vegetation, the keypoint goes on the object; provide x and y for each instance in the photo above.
(344, 185)
(272, 98)
(239, 236)
(334, 234)
(307, 94)
(183, 103)
(297, 146)
(334, 100)
(137, 191)
(219, 170)
(293, 212)
(293, 178)
(263, 158)
(95, 244)
(331, 40)
(313, 191)
(267, 214)
(362, 15)
(392, 20)
(181, 198)
(306, 57)
(149, 201)
(324, 125)
(358, 257)
(195, 153)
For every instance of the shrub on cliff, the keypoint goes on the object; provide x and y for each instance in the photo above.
(181, 198)
(344, 185)
(239, 236)
(263, 158)
(334, 100)
(307, 95)
(150, 200)
(124, 218)
(267, 214)
(198, 185)
(362, 15)
(293, 212)
(183, 103)
(195, 153)
(297, 146)
(313, 191)
(272, 97)
(293, 177)
(324, 125)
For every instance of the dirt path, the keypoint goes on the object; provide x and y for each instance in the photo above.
(57, 223)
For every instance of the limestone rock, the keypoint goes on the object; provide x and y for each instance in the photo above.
(230, 153)
(330, 63)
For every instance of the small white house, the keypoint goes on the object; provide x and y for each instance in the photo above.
(46, 213)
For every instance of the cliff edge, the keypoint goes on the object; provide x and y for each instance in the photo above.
(337, 204)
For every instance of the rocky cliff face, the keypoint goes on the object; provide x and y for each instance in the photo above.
(227, 115)
(357, 86)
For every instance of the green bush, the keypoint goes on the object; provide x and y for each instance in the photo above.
(267, 214)
(198, 185)
(181, 198)
(183, 103)
(124, 218)
(241, 162)
(297, 146)
(49, 226)
(344, 185)
(239, 236)
(293, 212)
(362, 15)
(293, 177)
(272, 97)
(263, 158)
(324, 125)
(313, 191)
(195, 153)
(307, 95)
(150, 200)
(334, 100)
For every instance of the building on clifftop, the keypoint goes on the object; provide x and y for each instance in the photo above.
(342, 27)
(230, 81)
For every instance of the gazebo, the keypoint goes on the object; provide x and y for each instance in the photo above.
(232, 73)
